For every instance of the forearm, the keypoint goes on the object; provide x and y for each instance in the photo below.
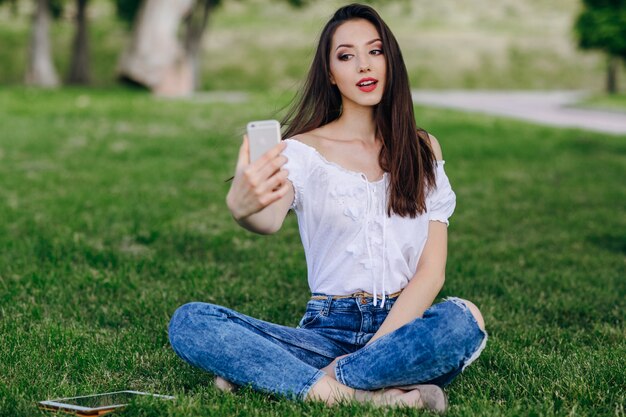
(416, 298)
(264, 222)
(423, 288)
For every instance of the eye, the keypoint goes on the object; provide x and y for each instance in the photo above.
(376, 52)
(344, 57)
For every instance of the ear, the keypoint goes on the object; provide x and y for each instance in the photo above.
(332, 79)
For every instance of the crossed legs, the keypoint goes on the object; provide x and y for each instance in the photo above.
(287, 361)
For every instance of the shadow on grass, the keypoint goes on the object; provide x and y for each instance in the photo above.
(612, 242)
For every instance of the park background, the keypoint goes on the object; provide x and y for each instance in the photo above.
(112, 209)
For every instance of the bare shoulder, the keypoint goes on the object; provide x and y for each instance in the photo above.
(313, 138)
(436, 147)
(307, 138)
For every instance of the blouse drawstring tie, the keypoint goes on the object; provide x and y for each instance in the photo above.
(384, 243)
(369, 216)
(368, 243)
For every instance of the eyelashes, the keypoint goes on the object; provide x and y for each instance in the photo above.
(345, 57)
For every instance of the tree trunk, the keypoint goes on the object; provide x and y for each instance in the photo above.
(79, 67)
(40, 71)
(196, 24)
(155, 58)
(611, 74)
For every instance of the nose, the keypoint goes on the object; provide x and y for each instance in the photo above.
(364, 65)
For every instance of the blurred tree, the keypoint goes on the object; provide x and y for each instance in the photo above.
(602, 25)
(40, 70)
(79, 72)
(156, 58)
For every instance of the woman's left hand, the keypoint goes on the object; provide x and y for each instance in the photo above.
(330, 368)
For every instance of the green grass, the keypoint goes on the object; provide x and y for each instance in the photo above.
(112, 215)
(616, 102)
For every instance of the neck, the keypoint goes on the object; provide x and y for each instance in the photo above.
(357, 122)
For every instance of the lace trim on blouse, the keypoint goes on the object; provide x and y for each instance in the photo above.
(369, 213)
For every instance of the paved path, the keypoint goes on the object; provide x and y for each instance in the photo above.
(549, 108)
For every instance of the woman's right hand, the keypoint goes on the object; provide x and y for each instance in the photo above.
(258, 184)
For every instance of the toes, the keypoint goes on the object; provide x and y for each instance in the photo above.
(412, 399)
(224, 385)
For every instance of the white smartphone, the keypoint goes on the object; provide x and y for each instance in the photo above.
(97, 404)
(263, 135)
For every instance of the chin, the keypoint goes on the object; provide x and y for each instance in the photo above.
(365, 101)
(371, 101)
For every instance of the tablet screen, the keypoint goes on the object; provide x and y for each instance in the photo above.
(102, 400)
(99, 401)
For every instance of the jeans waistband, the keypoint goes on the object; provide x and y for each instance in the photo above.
(358, 294)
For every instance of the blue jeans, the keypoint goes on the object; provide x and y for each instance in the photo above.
(286, 361)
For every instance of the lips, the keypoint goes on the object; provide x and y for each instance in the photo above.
(367, 84)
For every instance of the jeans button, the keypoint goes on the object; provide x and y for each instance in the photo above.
(363, 301)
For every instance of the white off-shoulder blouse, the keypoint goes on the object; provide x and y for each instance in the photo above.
(350, 244)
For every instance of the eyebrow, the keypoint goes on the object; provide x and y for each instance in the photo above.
(347, 45)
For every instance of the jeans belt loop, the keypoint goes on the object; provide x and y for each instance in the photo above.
(329, 301)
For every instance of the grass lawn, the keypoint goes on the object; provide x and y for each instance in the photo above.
(112, 215)
(616, 102)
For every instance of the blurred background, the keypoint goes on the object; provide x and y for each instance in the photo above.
(265, 45)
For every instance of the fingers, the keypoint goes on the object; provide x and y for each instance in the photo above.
(272, 167)
(269, 156)
(258, 184)
(273, 184)
(278, 193)
(277, 180)
(266, 166)
(267, 198)
(243, 159)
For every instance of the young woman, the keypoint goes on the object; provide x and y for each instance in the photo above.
(373, 202)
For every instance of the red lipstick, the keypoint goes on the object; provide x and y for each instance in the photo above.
(367, 84)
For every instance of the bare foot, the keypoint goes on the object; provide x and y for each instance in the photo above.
(429, 397)
(391, 397)
(224, 385)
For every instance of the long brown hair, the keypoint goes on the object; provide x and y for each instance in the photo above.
(406, 153)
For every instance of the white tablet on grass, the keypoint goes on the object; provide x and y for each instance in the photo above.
(98, 403)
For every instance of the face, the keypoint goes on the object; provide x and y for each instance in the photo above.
(357, 63)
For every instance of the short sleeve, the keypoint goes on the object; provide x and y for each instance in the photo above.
(442, 199)
(297, 156)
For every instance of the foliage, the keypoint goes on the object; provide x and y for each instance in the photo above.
(113, 214)
(56, 6)
(602, 25)
(127, 9)
(12, 3)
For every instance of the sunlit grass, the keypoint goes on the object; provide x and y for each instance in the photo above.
(112, 215)
(615, 102)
